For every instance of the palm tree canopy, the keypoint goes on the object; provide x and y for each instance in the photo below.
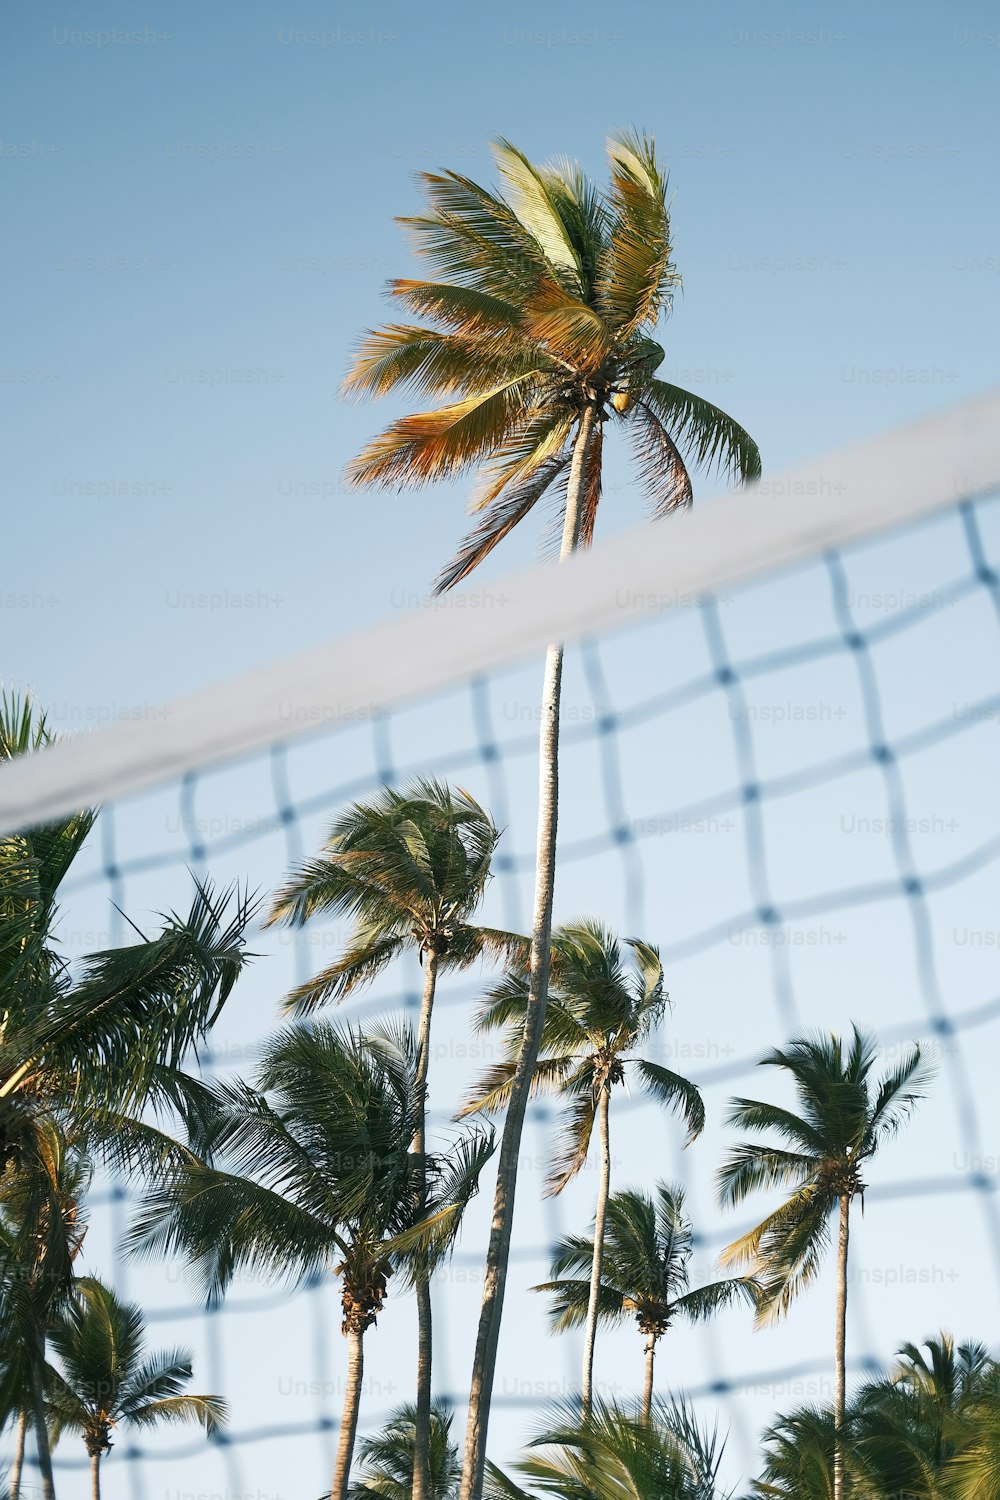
(605, 999)
(107, 1378)
(648, 1243)
(385, 1460)
(313, 1172)
(922, 1430)
(547, 296)
(97, 1046)
(408, 869)
(615, 1453)
(844, 1115)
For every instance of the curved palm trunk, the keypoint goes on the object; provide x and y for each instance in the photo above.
(494, 1281)
(422, 1425)
(18, 1464)
(349, 1415)
(647, 1389)
(841, 1349)
(95, 1476)
(41, 1430)
(603, 1189)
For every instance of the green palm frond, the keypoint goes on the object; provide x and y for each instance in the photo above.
(498, 521)
(675, 1092)
(532, 201)
(576, 1127)
(614, 1453)
(899, 1093)
(571, 1300)
(751, 1167)
(662, 470)
(357, 967)
(491, 1093)
(705, 1301)
(703, 432)
(637, 275)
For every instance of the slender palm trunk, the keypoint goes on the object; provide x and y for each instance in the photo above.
(647, 1390)
(603, 1189)
(18, 1464)
(841, 1352)
(349, 1415)
(422, 1425)
(494, 1281)
(95, 1476)
(41, 1430)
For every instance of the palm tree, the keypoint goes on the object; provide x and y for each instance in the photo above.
(409, 868)
(614, 1452)
(647, 1252)
(107, 1378)
(321, 1177)
(42, 1228)
(844, 1116)
(605, 999)
(386, 1467)
(538, 332)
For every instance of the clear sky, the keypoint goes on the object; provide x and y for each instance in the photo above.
(199, 223)
(215, 201)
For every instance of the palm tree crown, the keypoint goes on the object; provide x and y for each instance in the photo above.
(648, 1244)
(409, 869)
(316, 1174)
(614, 1452)
(385, 1467)
(548, 297)
(606, 998)
(844, 1116)
(107, 1379)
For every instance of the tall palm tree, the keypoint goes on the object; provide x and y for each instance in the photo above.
(409, 869)
(605, 999)
(108, 1380)
(538, 332)
(844, 1116)
(615, 1452)
(648, 1243)
(315, 1174)
(387, 1458)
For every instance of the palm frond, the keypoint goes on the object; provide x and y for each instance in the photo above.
(674, 1091)
(662, 471)
(440, 443)
(704, 433)
(637, 274)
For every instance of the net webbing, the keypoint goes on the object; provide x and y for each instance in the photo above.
(765, 784)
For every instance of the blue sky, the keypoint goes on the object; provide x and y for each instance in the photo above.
(215, 202)
(201, 225)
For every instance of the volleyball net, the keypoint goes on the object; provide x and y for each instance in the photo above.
(779, 740)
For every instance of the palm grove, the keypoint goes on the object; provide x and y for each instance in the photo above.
(535, 335)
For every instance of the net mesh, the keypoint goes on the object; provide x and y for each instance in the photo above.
(791, 789)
